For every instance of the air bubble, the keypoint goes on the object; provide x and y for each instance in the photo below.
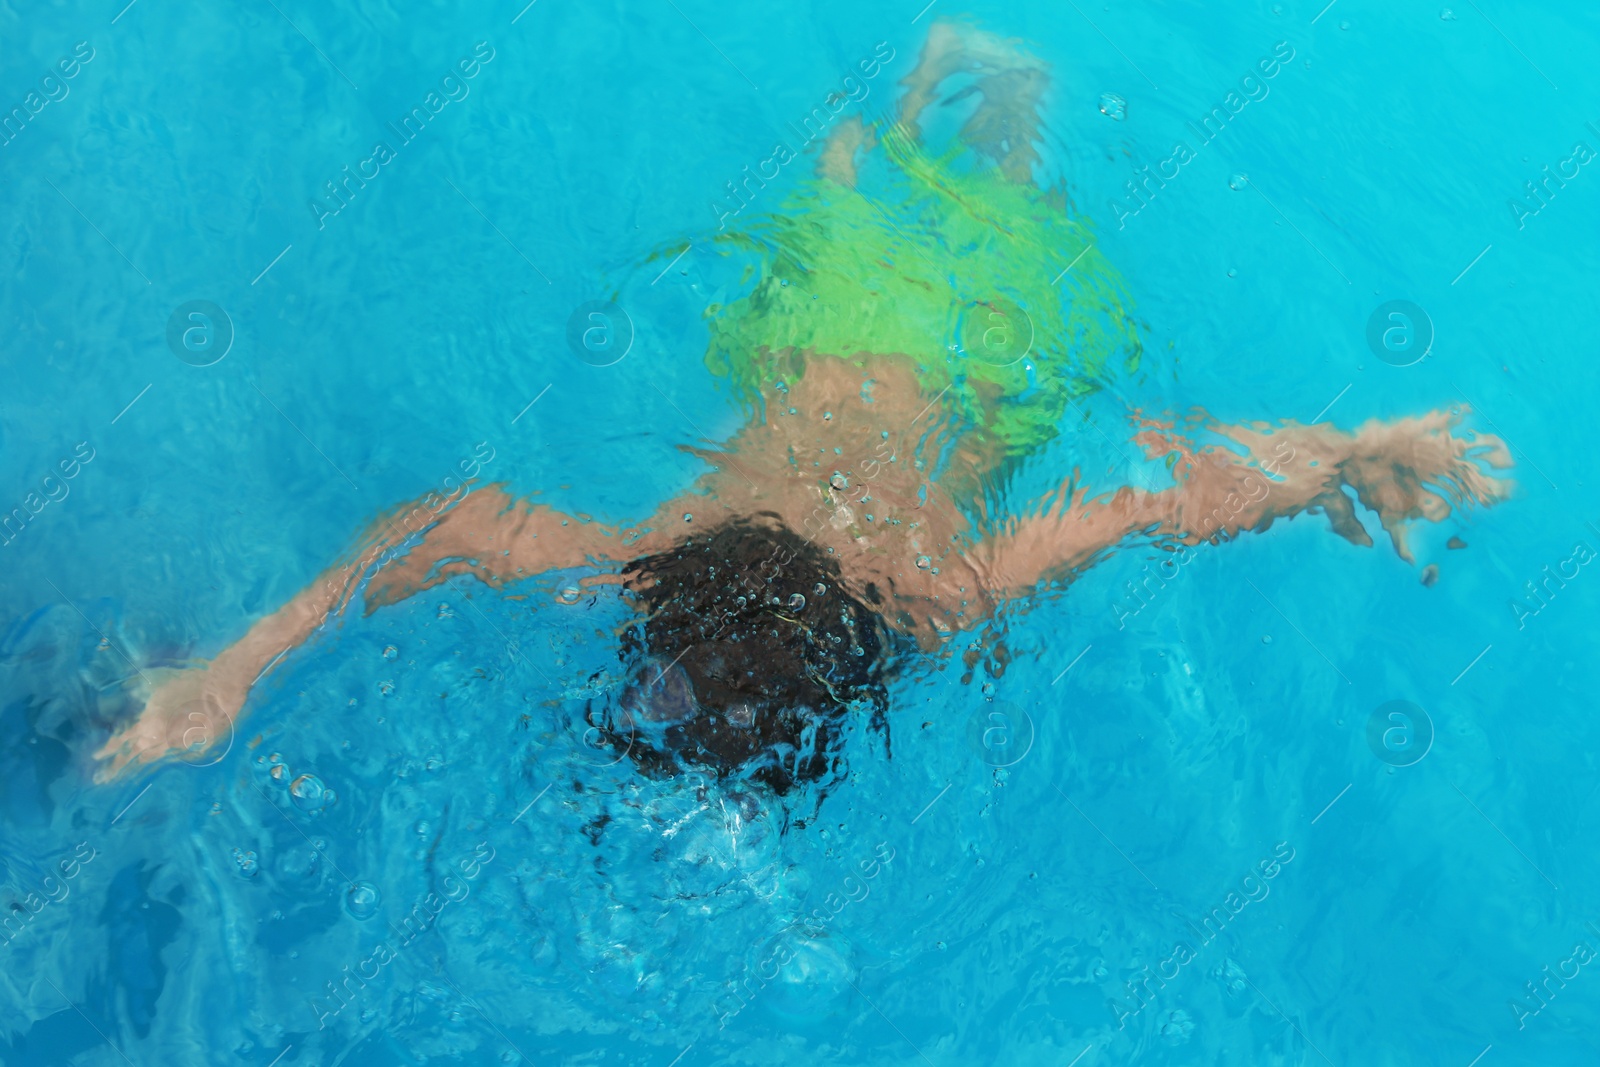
(1238, 182)
(569, 594)
(390, 652)
(923, 563)
(362, 899)
(839, 481)
(797, 601)
(819, 589)
(309, 793)
(1113, 106)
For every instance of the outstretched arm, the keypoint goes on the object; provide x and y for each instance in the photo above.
(1404, 470)
(486, 533)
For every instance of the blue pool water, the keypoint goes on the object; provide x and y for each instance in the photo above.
(1217, 745)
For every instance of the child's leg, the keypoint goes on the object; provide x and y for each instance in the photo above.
(838, 160)
(1005, 126)
(1002, 129)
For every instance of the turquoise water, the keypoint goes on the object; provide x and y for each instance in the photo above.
(573, 912)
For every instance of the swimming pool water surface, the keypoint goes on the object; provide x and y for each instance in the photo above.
(1285, 800)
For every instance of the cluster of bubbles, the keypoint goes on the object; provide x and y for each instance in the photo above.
(249, 863)
(309, 793)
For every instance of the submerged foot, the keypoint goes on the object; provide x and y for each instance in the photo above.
(1011, 83)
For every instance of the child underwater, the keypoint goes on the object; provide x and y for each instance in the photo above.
(908, 339)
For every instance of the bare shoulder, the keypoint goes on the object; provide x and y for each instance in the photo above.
(837, 455)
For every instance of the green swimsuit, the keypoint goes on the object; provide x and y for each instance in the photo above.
(960, 269)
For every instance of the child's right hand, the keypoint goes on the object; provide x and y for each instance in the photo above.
(189, 711)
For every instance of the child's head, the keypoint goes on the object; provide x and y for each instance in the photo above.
(748, 661)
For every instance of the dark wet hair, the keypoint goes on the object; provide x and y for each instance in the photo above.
(748, 661)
